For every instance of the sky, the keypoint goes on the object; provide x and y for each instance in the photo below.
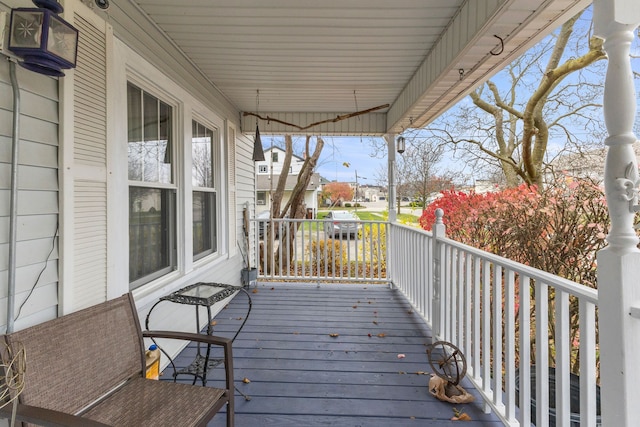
(355, 151)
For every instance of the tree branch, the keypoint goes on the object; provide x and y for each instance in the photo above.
(334, 120)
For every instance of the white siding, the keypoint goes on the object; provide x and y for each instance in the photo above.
(37, 244)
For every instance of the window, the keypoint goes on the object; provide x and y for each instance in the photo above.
(261, 197)
(152, 191)
(274, 157)
(263, 169)
(204, 153)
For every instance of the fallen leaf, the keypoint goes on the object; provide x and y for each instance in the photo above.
(255, 291)
(369, 335)
(462, 417)
(214, 323)
(334, 335)
(238, 318)
(246, 380)
(296, 333)
(401, 372)
(421, 373)
(273, 289)
(355, 306)
(375, 322)
(401, 356)
(382, 335)
(410, 311)
(412, 418)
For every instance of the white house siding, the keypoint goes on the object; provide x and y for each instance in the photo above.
(89, 120)
(37, 244)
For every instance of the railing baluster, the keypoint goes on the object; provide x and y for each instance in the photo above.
(497, 335)
(468, 304)
(447, 290)
(542, 355)
(510, 345)
(486, 329)
(562, 347)
(475, 355)
(588, 408)
(525, 351)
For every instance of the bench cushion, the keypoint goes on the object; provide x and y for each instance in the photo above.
(158, 403)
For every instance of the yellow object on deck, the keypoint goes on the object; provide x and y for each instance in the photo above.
(152, 357)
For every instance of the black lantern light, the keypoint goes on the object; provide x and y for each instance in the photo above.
(45, 42)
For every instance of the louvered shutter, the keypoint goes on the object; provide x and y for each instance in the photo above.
(85, 215)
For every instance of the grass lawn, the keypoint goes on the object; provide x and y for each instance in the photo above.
(364, 216)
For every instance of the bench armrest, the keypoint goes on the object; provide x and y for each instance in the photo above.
(48, 417)
(188, 336)
(203, 338)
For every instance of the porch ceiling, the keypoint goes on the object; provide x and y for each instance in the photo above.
(314, 60)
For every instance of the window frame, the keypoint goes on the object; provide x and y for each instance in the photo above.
(214, 213)
(169, 224)
(261, 197)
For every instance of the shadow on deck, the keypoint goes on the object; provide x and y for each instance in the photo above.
(302, 376)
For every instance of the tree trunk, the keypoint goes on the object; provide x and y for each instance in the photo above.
(294, 208)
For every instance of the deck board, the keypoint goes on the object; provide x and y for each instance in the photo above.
(301, 376)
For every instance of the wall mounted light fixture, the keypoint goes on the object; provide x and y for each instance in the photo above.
(400, 144)
(45, 42)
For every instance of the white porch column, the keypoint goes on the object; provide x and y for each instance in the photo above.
(391, 175)
(619, 262)
(437, 302)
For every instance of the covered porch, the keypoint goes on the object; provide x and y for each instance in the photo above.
(228, 65)
(300, 375)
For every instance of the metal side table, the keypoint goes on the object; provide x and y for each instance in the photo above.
(203, 294)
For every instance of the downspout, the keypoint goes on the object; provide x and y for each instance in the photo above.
(13, 209)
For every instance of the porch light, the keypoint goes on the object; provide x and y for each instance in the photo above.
(400, 144)
(258, 152)
(45, 42)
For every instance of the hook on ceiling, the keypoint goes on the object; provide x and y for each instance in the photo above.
(499, 48)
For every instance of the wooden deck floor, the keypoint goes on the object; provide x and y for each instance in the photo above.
(302, 376)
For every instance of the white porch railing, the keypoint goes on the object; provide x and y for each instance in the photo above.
(518, 327)
(299, 250)
(527, 335)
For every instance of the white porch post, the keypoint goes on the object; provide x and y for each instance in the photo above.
(391, 175)
(437, 253)
(619, 262)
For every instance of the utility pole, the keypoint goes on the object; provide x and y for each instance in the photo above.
(356, 204)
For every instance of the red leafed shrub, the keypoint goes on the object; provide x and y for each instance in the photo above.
(558, 230)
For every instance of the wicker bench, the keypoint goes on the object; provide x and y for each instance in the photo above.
(87, 369)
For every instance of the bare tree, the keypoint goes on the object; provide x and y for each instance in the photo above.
(421, 167)
(544, 97)
(294, 207)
